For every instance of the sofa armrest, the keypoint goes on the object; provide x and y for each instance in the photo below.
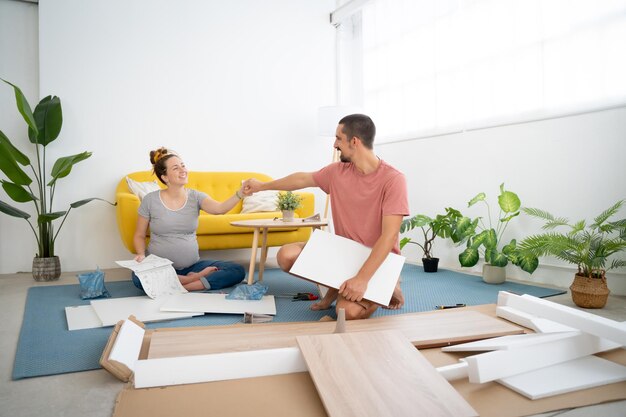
(127, 213)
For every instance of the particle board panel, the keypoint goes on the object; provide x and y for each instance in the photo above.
(587, 372)
(377, 374)
(341, 260)
(218, 303)
(82, 317)
(568, 316)
(494, 365)
(438, 328)
(145, 309)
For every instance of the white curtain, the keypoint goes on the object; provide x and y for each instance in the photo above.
(428, 67)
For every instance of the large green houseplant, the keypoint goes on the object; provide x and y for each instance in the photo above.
(44, 126)
(483, 236)
(431, 228)
(589, 247)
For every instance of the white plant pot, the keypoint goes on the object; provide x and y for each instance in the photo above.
(287, 215)
(494, 274)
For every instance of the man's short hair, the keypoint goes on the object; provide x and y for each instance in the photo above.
(361, 126)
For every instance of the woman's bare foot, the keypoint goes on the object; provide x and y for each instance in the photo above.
(397, 299)
(195, 276)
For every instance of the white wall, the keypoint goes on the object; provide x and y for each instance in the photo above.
(230, 85)
(571, 167)
(19, 64)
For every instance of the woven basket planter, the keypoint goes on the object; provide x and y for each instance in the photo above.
(589, 292)
(46, 269)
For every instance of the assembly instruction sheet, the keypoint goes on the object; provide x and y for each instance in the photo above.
(157, 276)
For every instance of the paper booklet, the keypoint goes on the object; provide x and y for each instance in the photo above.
(157, 276)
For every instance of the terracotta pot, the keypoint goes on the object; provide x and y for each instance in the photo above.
(46, 269)
(287, 215)
(589, 292)
(494, 274)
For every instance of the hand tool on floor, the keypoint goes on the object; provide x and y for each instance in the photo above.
(452, 306)
(301, 296)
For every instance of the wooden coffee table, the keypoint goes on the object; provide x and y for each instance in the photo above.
(264, 225)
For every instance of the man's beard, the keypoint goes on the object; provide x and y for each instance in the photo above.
(342, 158)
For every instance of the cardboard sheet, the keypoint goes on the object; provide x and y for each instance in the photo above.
(295, 394)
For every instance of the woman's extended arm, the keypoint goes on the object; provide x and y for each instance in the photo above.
(139, 238)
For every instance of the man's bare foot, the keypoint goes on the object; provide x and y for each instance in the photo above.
(326, 302)
(397, 299)
(322, 305)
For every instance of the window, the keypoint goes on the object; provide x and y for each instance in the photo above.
(429, 67)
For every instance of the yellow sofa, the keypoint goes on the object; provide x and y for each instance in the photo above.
(214, 231)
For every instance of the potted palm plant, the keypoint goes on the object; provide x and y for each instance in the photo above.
(44, 126)
(287, 202)
(484, 237)
(589, 247)
(430, 230)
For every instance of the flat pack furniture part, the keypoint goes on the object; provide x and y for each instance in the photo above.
(581, 320)
(280, 395)
(439, 328)
(581, 373)
(127, 344)
(329, 260)
(217, 303)
(494, 365)
(377, 374)
(145, 309)
(82, 317)
(507, 342)
(217, 367)
(538, 324)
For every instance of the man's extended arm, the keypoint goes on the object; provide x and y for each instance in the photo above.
(354, 288)
(291, 182)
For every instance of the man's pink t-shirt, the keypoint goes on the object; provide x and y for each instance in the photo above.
(359, 201)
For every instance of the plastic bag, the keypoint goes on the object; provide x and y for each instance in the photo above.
(248, 292)
(92, 285)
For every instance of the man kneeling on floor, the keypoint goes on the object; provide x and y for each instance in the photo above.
(368, 201)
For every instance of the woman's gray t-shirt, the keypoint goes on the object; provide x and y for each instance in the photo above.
(173, 232)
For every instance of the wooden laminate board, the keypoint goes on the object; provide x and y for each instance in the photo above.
(430, 329)
(377, 374)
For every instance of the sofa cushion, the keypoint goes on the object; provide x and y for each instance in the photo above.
(141, 188)
(259, 202)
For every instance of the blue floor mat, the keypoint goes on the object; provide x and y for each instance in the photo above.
(46, 347)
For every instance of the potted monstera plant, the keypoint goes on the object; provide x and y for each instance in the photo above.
(588, 246)
(288, 202)
(44, 126)
(484, 236)
(430, 228)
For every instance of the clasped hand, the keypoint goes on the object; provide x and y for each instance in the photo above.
(353, 289)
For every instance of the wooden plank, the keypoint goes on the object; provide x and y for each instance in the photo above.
(439, 328)
(329, 260)
(217, 303)
(145, 309)
(582, 373)
(504, 363)
(217, 367)
(82, 317)
(506, 342)
(377, 374)
(581, 320)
